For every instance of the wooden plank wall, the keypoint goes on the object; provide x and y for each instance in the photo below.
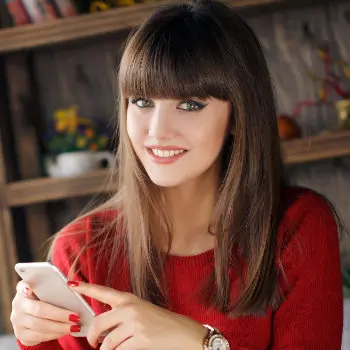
(82, 74)
(288, 52)
(25, 121)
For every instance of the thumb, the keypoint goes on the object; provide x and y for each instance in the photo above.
(25, 289)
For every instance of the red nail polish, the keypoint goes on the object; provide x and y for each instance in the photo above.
(74, 318)
(75, 328)
(73, 284)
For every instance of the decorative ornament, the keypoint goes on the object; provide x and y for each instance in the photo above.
(288, 128)
(330, 83)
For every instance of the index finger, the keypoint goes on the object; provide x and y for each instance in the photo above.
(106, 295)
(47, 311)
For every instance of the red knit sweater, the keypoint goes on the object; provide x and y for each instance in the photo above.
(310, 317)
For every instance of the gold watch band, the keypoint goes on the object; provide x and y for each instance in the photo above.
(210, 333)
(213, 335)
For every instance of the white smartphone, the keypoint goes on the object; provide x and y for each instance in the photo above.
(50, 285)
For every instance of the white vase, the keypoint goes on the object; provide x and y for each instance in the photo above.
(77, 163)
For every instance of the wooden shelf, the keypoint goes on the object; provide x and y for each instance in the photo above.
(28, 192)
(89, 25)
(313, 148)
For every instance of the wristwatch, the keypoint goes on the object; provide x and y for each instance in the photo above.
(214, 340)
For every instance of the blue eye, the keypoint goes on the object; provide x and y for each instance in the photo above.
(142, 102)
(190, 106)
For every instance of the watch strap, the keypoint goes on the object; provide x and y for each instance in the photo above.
(212, 335)
(211, 331)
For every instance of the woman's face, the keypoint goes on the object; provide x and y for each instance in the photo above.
(177, 140)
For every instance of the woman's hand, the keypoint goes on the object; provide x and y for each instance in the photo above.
(137, 324)
(35, 322)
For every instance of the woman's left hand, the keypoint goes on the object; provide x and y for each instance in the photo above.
(134, 323)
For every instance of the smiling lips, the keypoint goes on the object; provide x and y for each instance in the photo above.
(165, 155)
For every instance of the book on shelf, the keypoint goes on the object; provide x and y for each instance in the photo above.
(64, 8)
(13, 13)
(40, 10)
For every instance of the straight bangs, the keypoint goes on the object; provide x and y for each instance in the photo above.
(173, 58)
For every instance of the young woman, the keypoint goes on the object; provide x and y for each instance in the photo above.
(202, 228)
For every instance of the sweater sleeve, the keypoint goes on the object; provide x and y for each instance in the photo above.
(311, 315)
(67, 247)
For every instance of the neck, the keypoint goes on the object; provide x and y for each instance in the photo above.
(191, 207)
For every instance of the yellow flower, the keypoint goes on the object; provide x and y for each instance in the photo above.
(66, 119)
(72, 124)
(60, 126)
(81, 142)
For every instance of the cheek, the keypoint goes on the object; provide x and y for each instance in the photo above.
(209, 137)
(135, 128)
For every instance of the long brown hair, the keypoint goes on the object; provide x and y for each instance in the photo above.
(202, 49)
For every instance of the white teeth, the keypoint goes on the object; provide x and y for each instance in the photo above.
(165, 153)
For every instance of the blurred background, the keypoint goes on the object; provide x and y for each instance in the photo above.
(57, 103)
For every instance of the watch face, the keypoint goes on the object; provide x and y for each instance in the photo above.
(218, 342)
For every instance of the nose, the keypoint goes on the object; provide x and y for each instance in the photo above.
(160, 125)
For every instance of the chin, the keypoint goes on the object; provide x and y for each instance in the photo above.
(166, 177)
(172, 177)
(166, 181)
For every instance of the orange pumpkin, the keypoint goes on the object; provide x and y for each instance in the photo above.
(287, 127)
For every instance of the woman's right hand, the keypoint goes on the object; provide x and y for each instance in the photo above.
(35, 322)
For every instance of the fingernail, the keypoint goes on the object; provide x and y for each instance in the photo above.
(73, 284)
(74, 318)
(26, 291)
(75, 328)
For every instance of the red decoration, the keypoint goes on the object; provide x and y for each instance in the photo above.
(329, 82)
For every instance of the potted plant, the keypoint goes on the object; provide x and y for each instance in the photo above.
(75, 145)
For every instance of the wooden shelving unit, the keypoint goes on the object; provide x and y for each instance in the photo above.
(27, 192)
(91, 25)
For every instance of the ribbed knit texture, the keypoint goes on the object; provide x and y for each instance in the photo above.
(310, 317)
